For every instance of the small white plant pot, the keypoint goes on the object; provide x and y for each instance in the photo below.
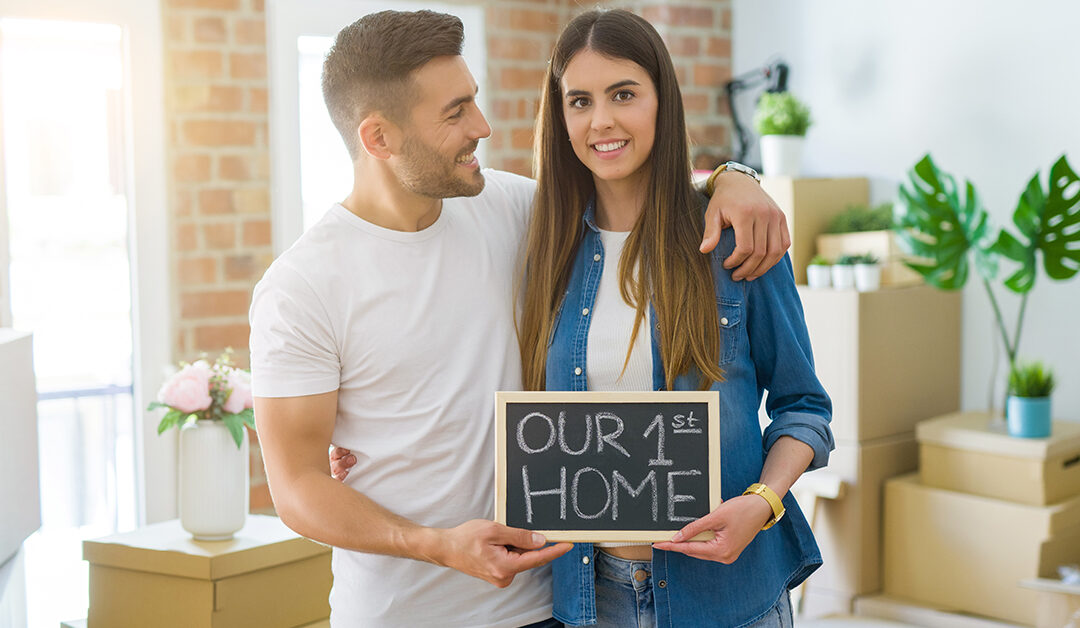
(818, 276)
(843, 276)
(781, 155)
(867, 277)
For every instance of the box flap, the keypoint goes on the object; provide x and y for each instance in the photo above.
(978, 431)
(167, 549)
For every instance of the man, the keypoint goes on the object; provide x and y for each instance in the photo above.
(389, 324)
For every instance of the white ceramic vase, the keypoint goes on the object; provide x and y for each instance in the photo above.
(213, 481)
(867, 277)
(817, 276)
(781, 155)
(843, 276)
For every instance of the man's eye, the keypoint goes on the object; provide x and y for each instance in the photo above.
(457, 114)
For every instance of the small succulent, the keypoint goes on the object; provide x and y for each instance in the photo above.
(1031, 379)
(865, 258)
(846, 260)
(819, 260)
(862, 218)
(781, 113)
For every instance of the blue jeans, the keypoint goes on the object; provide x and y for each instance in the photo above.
(624, 596)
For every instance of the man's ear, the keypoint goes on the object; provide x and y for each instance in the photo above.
(378, 136)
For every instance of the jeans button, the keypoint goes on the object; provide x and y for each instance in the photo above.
(640, 575)
(662, 584)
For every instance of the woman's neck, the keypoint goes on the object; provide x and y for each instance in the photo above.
(619, 203)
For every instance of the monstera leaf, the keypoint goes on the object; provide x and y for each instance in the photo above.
(1048, 222)
(939, 228)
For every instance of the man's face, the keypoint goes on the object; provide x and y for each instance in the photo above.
(436, 158)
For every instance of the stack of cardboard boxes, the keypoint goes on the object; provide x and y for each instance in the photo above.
(985, 512)
(889, 359)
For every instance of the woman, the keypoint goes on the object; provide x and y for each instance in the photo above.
(617, 297)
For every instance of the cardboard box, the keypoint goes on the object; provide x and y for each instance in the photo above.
(158, 576)
(809, 204)
(969, 553)
(972, 452)
(19, 488)
(848, 529)
(881, 244)
(1059, 603)
(888, 358)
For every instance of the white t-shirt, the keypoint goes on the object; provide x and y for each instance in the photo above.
(415, 332)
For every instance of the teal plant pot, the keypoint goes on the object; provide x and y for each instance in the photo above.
(1028, 417)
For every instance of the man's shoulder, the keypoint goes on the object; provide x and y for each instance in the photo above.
(503, 182)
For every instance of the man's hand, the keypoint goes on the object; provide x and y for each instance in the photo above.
(761, 231)
(735, 523)
(341, 460)
(493, 552)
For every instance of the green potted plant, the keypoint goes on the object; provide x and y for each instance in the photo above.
(1028, 405)
(868, 229)
(946, 232)
(817, 272)
(843, 272)
(211, 404)
(867, 272)
(781, 120)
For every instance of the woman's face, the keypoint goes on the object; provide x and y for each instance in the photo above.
(610, 110)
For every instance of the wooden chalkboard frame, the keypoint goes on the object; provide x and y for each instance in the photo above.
(712, 398)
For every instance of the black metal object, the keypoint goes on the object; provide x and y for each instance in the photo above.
(773, 76)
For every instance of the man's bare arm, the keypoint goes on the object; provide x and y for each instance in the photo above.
(294, 433)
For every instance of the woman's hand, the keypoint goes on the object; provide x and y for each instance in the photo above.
(735, 524)
(341, 460)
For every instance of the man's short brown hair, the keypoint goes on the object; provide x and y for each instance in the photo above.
(369, 67)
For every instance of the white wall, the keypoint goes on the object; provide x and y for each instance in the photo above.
(990, 88)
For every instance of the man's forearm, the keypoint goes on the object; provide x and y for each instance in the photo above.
(317, 506)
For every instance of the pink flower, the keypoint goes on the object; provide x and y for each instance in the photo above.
(240, 398)
(189, 389)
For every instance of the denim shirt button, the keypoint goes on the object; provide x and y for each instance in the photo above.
(577, 371)
(662, 584)
(585, 312)
(596, 258)
(723, 321)
(584, 560)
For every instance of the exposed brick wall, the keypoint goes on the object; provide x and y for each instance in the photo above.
(216, 109)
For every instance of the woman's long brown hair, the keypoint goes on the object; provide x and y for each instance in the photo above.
(674, 275)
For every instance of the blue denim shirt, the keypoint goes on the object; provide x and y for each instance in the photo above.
(764, 346)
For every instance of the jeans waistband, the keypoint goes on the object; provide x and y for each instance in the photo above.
(620, 569)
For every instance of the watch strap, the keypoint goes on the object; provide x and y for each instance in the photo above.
(710, 183)
(771, 497)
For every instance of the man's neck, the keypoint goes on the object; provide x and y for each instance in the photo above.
(379, 198)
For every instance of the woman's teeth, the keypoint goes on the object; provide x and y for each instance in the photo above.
(607, 148)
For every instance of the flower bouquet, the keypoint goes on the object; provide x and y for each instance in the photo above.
(208, 392)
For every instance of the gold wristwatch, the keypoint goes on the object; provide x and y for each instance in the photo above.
(771, 497)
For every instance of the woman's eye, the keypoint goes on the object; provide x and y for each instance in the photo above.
(623, 95)
(578, 103)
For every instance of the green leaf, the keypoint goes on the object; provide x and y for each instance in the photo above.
(154, 405)
(235, 423)
(171, 419)
(938, 227)
(1047, 221)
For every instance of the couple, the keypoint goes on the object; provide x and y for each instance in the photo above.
(388, 325)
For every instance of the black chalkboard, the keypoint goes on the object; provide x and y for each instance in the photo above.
(593, 466)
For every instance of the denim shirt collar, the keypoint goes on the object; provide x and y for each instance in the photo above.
(589, 217)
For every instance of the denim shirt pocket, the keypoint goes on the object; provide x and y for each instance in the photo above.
(729, 315)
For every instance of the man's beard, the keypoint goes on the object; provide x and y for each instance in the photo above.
(426, 172)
